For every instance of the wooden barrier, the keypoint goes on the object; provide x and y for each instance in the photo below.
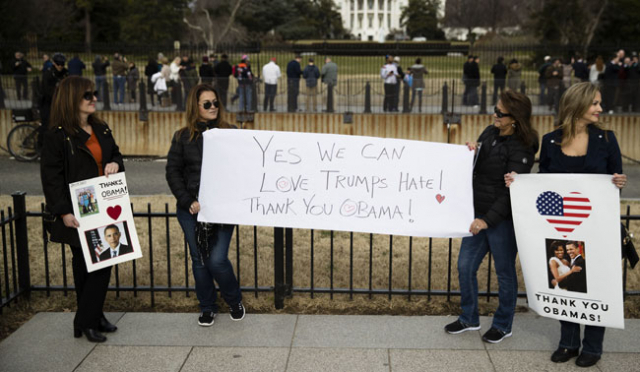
(153, 137)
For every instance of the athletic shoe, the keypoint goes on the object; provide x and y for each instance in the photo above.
(459, 327)
(237, 311)
(494, 336)
(206, 318)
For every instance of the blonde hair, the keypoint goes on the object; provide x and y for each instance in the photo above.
(574, 104)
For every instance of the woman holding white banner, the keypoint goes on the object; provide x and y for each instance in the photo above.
(78, 146)
(208, 243)
(580, 145)
(508, 145)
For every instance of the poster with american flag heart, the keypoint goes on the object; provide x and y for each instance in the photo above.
(568, 233)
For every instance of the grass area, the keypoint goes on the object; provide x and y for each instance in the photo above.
(170, 260)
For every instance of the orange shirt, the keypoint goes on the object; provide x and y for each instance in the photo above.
(94, 146)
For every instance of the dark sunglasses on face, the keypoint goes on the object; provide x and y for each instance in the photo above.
(207, 104)
(499, 113)
(88, 96)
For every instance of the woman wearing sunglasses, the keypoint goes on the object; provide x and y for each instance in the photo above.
(208, 243)
(508, 145)
(580, 145)
(78, 146)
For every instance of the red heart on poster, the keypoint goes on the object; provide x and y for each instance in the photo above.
(440, 198)
(114, 212)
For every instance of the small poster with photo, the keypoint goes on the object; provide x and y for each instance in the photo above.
(107, 230)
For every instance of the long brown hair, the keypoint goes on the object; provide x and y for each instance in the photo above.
(574, 103)
(65, 107)
(519, 106)
(193, 110)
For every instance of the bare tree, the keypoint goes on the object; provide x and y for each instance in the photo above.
(206, 24)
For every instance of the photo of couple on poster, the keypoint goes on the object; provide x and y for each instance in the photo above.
(567, 266)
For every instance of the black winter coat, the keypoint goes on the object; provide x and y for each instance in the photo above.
(184, 163)
(68, 151)
(498, 155)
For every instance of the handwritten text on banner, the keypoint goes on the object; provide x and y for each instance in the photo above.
(336, 182)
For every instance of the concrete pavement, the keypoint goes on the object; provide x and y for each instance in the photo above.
(161, 342)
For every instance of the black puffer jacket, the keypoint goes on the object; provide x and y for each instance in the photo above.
(60, 148)
(498, 155)
(184, 163)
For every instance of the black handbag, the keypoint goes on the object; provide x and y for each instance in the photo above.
(628, 249)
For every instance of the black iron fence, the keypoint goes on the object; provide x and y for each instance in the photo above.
(277, 260)
(359, 87)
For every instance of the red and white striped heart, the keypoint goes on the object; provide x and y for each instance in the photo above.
(564, 213)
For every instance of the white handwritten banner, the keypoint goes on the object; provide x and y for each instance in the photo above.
(568, 232)
(107, 231)
(336, 182)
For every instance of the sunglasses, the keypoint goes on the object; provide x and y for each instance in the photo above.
(207, 104)
(499, 113)
(88, 96)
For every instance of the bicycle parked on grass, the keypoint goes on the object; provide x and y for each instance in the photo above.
(23, 139)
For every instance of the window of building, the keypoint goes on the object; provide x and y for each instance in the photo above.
(370, 16)
(381, 5)
(380, 20)
(360, 5)
(370, 4)
(351, 24)
(360, 21)
(351, 5)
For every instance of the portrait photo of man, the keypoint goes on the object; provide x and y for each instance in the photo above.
(114, 246)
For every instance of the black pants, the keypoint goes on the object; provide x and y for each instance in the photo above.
(390, 91)
(269, 96)
(293, 89)
(91, 290)
(22, 86)
(609, 95)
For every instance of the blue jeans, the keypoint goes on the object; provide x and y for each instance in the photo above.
(245, 91)
(591, 343)
(217, 267)
(100, 80)
(118, 88)
(501, 242)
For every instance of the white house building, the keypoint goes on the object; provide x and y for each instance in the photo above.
(371, 19)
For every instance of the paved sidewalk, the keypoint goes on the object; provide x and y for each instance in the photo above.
(159, 342)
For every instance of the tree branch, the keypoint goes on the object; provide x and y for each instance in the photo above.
(232, 18)
(198, 28)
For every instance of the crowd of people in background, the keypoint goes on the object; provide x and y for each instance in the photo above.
(167, 81)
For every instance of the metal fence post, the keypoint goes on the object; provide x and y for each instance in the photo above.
(22, 242)
(143, 112)
(405, 98)
(288, 244)
(367, 98)
(1, 94)
(483, 99)
(278, 267)
(105, 96)
(445, 98)
(178, 96)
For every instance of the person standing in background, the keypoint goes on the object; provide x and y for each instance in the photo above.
(206, 71)
(542, 80)
(418, 71)
(311, 75)
(119, 69)
(75, 66)
(271, 74)
(513, 75)
(580, 69)
(329, 75)
(499, 71)
(100, 65)
(151, 69)
(222, 72)
(133, 76)
(294, 72)
(21, 69)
